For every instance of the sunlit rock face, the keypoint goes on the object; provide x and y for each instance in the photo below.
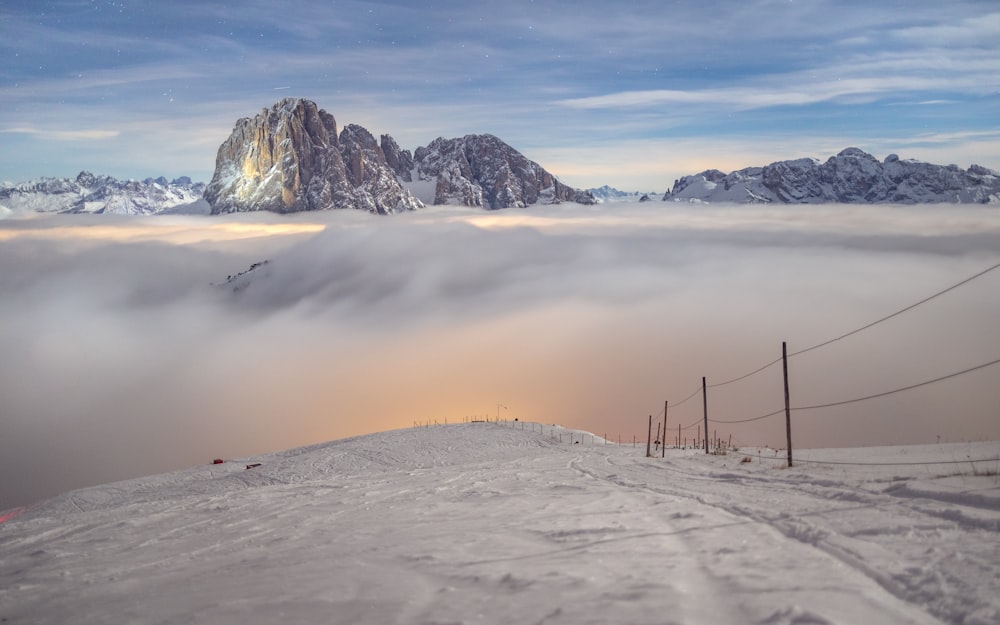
(289, 158)
(852, 176)
(482, 170)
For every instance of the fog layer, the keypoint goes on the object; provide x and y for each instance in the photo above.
(124, 350)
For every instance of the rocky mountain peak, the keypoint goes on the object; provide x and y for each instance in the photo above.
(290, 158)
(482, 170)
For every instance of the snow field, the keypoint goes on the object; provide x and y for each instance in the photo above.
(488, 523)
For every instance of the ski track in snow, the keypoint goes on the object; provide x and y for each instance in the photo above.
(488, 523)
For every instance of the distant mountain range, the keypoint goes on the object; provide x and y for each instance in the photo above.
(611, 194)
(291, 157)
(852, 177)
(88, 193)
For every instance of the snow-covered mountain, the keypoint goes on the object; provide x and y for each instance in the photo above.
(89, 193)
(852, 176)
(611, 194)
(482, 170)
(519, 523)
(290, 158)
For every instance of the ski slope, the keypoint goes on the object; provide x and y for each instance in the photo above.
(514, 523)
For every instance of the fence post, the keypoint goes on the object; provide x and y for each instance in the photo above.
(788, 411)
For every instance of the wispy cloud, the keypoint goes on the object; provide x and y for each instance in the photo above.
(65, 135)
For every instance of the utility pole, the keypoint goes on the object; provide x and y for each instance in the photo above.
(704, 396)
(664, 450)
(649, 436)
(788, 411)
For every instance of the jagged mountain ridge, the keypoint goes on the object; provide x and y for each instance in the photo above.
(90, 193)
(852, 176)
(290, 157)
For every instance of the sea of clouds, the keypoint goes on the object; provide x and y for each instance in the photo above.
(125, 348)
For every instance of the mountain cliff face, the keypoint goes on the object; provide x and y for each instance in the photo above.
(852, 176)
(289, 158)
(482, 170)
(88, 193)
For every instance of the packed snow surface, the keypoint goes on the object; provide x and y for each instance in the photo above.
(520, 523)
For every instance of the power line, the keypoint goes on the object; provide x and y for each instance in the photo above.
(861, 329)
(900, 390)
(743, 377)
(696, 391)
(898, 312)
(770, 414)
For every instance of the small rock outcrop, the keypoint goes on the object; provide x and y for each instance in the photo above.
(482, 170)
(852, 176)
(290, 158)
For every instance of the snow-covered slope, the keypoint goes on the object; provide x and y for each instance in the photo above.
(852, 176)
(88, 193)
(518, 523)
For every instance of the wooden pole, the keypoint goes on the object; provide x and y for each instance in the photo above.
(663, 452)
(649, 436)
(704, 396)
(788, 411)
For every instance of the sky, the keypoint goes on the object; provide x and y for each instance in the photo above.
(633, 95)
(123, 352)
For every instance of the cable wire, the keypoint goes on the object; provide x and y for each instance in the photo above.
(770, 414)
(861, 329)
(900, 390)
(678, 404)
(898, 312)
(743, 377)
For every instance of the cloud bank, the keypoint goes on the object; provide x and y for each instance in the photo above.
(123, 351)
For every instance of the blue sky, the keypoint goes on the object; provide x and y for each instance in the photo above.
(628, 94)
